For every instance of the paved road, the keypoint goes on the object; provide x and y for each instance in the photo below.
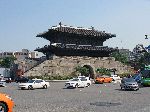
(96, 98)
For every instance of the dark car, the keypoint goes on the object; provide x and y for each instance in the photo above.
(21, 79)
(129, 84)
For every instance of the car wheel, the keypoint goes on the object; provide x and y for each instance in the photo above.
(30, 87)
(45, 86)
(137, 89)
(76, 86)
(102, 82)
(3, 107)
(88, 84)
(121, 88)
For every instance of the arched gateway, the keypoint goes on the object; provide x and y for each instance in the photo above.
(75, 42)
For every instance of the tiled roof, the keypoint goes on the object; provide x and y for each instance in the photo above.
(79, 31)
(75, 47)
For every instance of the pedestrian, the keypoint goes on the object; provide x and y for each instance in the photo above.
(129, 76)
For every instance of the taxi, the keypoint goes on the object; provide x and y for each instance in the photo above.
(103, 79)
(6, 103)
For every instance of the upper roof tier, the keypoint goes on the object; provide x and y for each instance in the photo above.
(89, 32)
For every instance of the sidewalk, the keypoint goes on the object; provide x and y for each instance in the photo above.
(56, 80)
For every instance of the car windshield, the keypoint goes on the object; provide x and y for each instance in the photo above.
(134, 76)
(31, 81)
(75, 79)
(81, 76)
(83, 79)
(130, 80)
(114, 76)
(99, 77)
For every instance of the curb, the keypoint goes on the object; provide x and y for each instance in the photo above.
(56, 80)
(60, 80)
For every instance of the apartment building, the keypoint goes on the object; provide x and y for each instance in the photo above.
(25, 53)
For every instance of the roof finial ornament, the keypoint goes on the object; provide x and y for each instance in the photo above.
(146, 37)
(60, 24)
(92, 27)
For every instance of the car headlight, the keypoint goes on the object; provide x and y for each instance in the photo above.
(8, 97)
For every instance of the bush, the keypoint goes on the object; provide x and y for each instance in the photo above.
(103, 71)
(124, 75)
(52, 77)
(82, 70)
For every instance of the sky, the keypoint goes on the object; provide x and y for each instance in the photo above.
(22, 20)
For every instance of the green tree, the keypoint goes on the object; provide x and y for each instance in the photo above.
(144, 60)
(7, 62)
(82, 70)
(103, 71)
(120, 57)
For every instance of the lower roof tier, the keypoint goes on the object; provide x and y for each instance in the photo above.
(64, 50)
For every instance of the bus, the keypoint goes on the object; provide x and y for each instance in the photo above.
(145, 81)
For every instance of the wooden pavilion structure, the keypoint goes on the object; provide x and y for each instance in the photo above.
(75, 41)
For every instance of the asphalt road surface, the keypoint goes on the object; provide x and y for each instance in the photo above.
(96, 98)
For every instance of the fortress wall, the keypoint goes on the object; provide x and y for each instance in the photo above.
(65, 65)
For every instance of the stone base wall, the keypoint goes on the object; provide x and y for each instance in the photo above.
(66, 65)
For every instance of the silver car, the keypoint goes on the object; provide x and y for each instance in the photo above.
(129, 84)
(2, 83)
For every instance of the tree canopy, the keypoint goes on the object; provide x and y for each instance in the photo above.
(103, 71)
(7, 62)
(120, 57)
(144, 60)
(82, 70)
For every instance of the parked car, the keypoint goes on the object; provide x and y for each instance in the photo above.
(87, 79)
(103, 79)
(2, 83)
(145, 81)
(34, 84)
(115, 77)
(129, 84)
(6, 103)
(8, 79)
(78, 82)
(21, 79)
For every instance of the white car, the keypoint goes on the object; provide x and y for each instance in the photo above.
(3, 83)
(88, 81)
(34, 84)
(115, 77)
(78, 82)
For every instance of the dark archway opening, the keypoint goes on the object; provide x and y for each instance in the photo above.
(91, 72)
